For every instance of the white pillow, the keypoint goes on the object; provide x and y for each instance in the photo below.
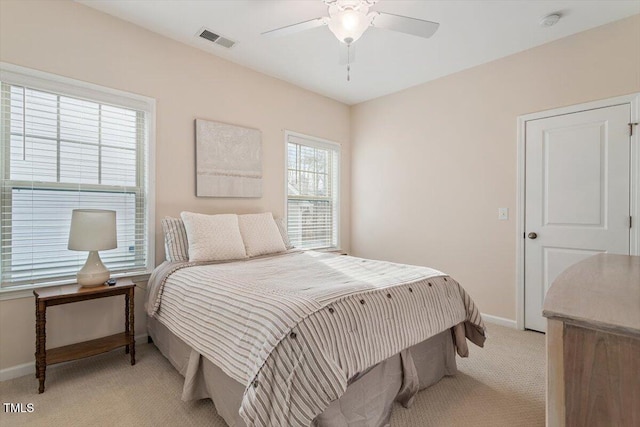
(260, 234)
(282, 227)
(213, 237)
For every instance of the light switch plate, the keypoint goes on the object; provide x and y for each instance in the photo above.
(503, 214)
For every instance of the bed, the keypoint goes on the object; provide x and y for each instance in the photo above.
(309, 338)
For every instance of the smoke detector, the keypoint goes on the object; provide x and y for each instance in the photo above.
(550, 20)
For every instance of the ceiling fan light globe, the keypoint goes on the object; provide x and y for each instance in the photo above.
(348, 25)
(350, 20)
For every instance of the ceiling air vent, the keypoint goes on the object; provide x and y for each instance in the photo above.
(217, 39)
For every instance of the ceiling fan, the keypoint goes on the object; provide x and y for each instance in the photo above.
(349, 19)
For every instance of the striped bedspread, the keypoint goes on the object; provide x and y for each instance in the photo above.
(294, 328)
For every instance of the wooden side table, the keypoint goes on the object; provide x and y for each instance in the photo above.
(74, 293)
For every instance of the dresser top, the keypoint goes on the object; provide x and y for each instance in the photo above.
(602, 292)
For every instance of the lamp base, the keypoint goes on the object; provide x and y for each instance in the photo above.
(93, 273)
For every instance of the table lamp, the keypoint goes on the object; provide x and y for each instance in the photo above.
(92, 230)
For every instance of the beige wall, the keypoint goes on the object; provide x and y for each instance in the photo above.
(75, 41)
(432, 164)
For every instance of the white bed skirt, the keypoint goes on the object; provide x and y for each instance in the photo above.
(368, 400)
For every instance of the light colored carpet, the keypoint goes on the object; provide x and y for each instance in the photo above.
(500, 385)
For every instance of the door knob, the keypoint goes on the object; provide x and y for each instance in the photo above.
(532, 235)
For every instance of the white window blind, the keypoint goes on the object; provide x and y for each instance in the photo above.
(312, 192)
(59, 153)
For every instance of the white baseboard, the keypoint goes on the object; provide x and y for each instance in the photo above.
(17, 371)
(30, 367)
(501, 321)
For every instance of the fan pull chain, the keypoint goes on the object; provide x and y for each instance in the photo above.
(349, 62)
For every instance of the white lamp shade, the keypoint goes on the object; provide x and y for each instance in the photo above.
(92, 230)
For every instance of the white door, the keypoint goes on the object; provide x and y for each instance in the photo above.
(577, 189)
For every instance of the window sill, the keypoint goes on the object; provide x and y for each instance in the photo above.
(26, 291)
(331, 250)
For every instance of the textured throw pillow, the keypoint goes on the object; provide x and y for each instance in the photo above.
(282, 226)
(213, 237)
(260, 234)
(176, 245)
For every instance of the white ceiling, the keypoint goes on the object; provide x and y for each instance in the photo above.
(471, 32)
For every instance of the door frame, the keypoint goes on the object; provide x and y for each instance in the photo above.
(634, 101)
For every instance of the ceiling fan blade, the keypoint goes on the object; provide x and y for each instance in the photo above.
(295, 28)
(404, 24)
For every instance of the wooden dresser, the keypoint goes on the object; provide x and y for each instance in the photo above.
(593, 343)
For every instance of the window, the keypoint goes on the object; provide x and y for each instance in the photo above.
(313, 171)
(68, 145)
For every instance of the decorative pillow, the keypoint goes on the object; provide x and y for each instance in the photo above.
(260, 234)
(213, 237)
(176, 245)
(282, 227)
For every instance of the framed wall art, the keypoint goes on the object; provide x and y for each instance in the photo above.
(228, 160)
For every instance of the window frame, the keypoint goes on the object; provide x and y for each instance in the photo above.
(38, 80)
(316, 142)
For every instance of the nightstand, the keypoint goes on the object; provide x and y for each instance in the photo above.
(74, 293)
